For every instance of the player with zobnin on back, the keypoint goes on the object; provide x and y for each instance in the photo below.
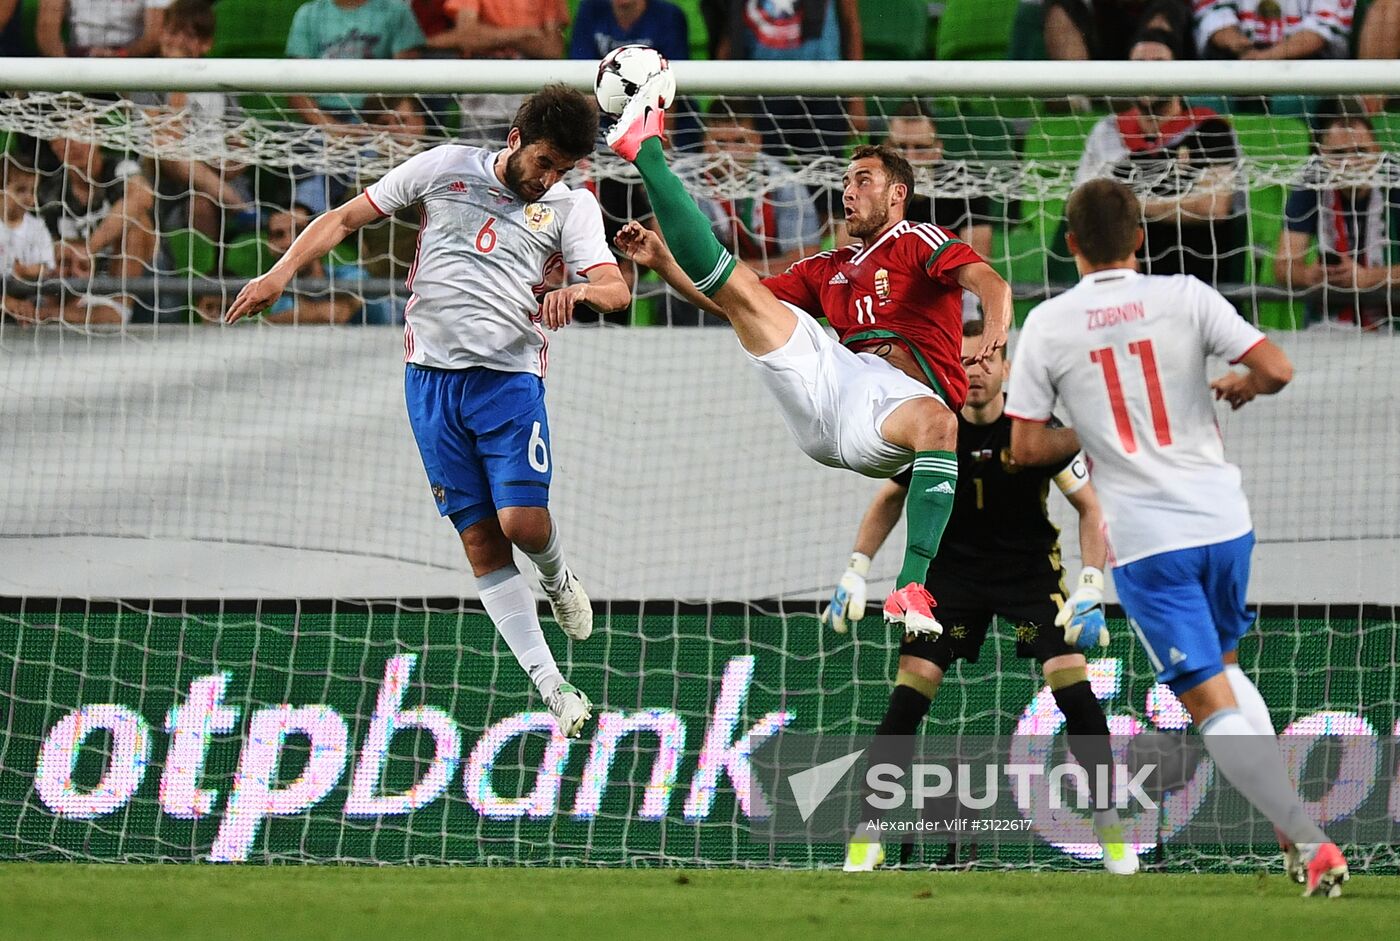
(1125, 355)
(499, 229)
(1000, 557)
(885, 397)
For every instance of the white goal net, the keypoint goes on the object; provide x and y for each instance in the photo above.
(254, 477)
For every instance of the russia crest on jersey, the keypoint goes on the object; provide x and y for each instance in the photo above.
(538, 216)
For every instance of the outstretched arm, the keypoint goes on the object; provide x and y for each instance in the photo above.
(880, 517)
(995, 294)
(1269, 370)
(1035, 443)
(1093, 548)
(605, 291)
(847, 604)
(325, 232)
(647, 249)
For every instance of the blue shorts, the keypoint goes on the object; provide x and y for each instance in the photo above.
(1187, 608)
(484, 438)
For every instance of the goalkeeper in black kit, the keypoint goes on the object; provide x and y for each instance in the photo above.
(1000, 556)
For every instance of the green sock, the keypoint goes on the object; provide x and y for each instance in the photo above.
(700, 255)
(926, 511)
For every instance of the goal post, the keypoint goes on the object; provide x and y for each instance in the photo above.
(237, 515)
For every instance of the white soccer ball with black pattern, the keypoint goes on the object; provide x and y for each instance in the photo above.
(624, 70)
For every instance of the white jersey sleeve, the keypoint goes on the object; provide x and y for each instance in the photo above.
(36, 244)
(1031, 396)
(583, 242)
(1223, 331)
(406, 183)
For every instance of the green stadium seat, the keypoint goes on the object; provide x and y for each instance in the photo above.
(1387, 131)
(894, 29)
(1028, 33)
(252, 29)
(976, 29)
(1277, 145)
(1055, 141)
(29, 18)
(192, 253)
(247, 257)
(699, 32)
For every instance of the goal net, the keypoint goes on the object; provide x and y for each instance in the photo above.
(233, 626)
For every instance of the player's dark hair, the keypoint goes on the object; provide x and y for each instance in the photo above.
(732, 110)
(20, 160)
(897, 169)
(1104, 217)
(1339, 112)
(913, 108)
(561, 116)
(195, 17)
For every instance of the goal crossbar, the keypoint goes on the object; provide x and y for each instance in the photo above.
(721, 78)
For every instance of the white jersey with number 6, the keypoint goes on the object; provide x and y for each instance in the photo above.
(1125, 355)
(485, 257)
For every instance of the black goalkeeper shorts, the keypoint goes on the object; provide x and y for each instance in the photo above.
(1027, 599)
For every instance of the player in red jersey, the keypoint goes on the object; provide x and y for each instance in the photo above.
(885, 397)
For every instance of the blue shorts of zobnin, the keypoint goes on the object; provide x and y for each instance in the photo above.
(1188, 608)
(484, 438)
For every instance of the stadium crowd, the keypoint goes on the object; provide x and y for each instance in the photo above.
(75, 211)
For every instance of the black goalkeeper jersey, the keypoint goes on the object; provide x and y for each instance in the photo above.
(999, 514)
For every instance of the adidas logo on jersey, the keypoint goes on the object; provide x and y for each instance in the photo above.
(457, 186)
(944, 487)
(838, 278)
(1177, 656)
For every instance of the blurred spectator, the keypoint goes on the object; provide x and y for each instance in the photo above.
(500, 29)
(338, 305)
(1182, 160)
(505, 29)
(1380, 31)
(1354, 224)
(397, 114)
(12, 38)
(26, 247)
(1110, 29)
(602, 25)
(915, 135)
(1379, 39)
(778, 227)
(804, 30)
(1273, 29)
(348, 29)
(205, 191)
(99, 27)
(345, 29)
(101, 208)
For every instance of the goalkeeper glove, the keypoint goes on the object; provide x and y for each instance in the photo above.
(1082, 615)
(847, 602)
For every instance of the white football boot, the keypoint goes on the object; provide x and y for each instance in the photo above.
(571, 709)
(571, 606)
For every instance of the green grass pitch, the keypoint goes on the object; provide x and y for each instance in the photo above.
(306, 903)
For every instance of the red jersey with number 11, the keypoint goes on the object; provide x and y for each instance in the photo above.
(902, 287)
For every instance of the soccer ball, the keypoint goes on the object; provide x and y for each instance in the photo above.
(623, 71)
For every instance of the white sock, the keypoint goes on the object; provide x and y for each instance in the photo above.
(549, 560)
(1250, 703)
(1254, 765)
(509, 602)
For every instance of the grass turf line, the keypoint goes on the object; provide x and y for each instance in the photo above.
(74, 902)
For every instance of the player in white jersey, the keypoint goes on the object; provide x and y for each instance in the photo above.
(1125, 355)
(504, 248)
